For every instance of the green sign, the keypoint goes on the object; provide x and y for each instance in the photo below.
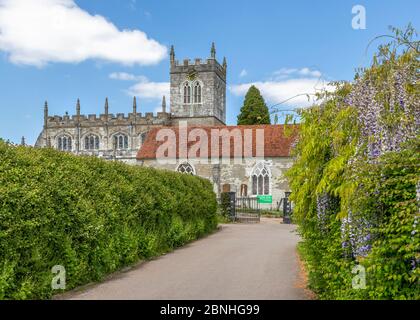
(265, 199)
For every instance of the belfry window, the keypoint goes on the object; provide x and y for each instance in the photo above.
(197, 92)
(186, 168)
(121, 141)
(64, 143)
(187, 93)
(91, 142)
(260, 180)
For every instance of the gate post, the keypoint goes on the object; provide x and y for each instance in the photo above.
(287, 208)
(232, 205)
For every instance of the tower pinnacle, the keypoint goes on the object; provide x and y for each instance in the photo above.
(134, 105)
(164, 104)
(45, 113)
(172, 55)
(106, 106)
(213, 51)
(78, 107)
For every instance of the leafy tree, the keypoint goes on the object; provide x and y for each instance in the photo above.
(254, 110)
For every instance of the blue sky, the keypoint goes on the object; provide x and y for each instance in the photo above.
(61, 50)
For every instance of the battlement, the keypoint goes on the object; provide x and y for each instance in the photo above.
(199, 65)
(110, 119)
(195, 62)
(106, 118)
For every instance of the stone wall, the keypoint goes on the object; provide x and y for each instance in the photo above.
(236, 174)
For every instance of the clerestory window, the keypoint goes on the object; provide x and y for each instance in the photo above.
(64, 143)
(121, 141)
(92, 142)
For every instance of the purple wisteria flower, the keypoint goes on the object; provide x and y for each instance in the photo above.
(388, 116)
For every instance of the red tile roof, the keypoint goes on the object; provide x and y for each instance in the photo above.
(277, 140)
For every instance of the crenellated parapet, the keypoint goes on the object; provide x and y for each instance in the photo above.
(199, 65)
(208, 65)
(119, 119)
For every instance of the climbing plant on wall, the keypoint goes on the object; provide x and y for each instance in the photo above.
(356, 177)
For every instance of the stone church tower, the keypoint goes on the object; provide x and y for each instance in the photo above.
(198, 95)
(198, 90)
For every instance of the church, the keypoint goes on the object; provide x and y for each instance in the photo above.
(249, 160)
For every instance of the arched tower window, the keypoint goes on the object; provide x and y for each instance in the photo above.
(64, 143)
(91, 142)
(197, 92)
(186, 168)
(121, 141)
(187, 93)
(260, 179)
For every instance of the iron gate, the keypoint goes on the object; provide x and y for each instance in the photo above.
(240, 209)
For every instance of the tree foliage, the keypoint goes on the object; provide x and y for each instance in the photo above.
(356, 179)
(254, 109)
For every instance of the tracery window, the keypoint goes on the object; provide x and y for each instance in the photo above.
(186, 168)
(260, 179)
(187, 93)
(197, 92)
(91, 142)
(121, 141)
(64, 143)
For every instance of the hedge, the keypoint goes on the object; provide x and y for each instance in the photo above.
(90, 216)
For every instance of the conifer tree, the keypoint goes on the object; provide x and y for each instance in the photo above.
(254, 110)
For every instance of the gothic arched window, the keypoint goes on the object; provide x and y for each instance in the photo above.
(186, 168)
(187, 93)
(197, 92)
(120, 141)
(260, 179)
(91, 142)
(64, 143)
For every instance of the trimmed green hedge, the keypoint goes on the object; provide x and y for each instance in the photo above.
(90, 216)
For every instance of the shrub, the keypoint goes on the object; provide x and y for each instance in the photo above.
(225, 205)
(355, 181)
(90, 216)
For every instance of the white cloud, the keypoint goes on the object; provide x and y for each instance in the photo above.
(285, 73)
(288, 83)
(278, 91)
(309, 72)
(149, 90)
(243, 73)
(43, 31)
(123, 76)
